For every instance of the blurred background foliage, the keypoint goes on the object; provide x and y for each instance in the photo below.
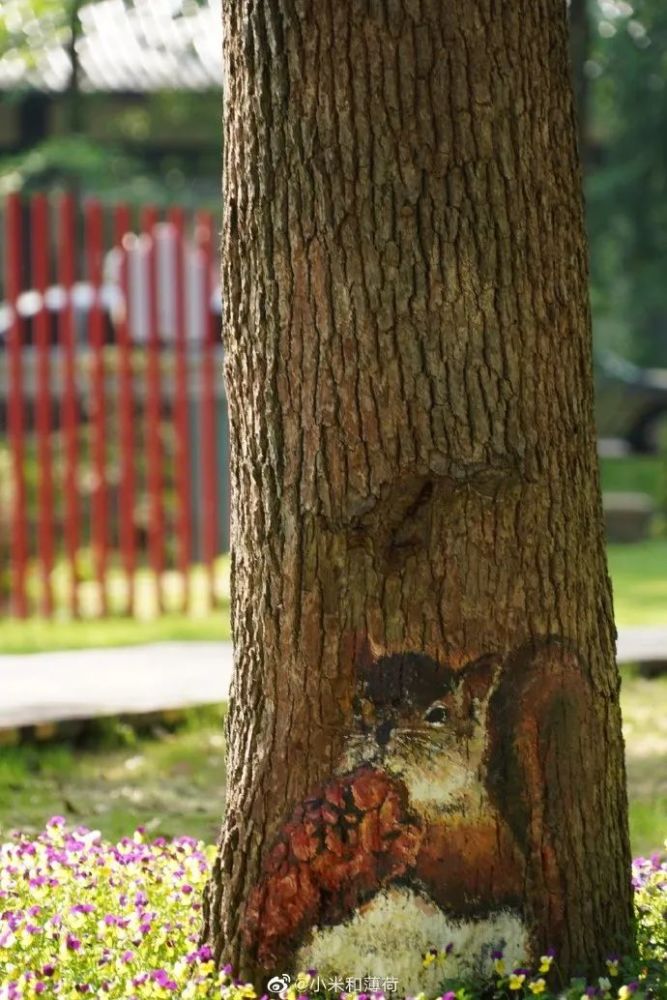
(146, 142)
(624, 146)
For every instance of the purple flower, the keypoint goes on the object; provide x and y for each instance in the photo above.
(73, 943)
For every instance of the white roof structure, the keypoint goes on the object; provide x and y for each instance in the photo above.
(143, 46)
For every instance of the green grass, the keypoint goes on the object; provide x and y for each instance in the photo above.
(173, 782)
(118, 629)
(636, 474)
(639, 578)
(39, 635)
(644, 704)
(170, 782)
(638, 571)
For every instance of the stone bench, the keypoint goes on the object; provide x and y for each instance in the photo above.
(627, 516)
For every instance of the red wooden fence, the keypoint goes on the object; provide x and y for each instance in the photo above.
(112, 415)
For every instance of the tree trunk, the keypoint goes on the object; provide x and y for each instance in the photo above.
(580, 47)
(424, 731)
(73, 95)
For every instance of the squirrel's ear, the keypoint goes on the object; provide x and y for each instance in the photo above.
(482, 674)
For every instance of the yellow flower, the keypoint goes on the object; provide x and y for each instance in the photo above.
(516, 980)
(624, 993)
(180, 971)
(537, 986)
(545, 963)
(302, 981)
(429, 957)
(247, 991)
(612, 966)
(499, 966)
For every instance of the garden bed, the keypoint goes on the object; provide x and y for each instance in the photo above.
(81, 915)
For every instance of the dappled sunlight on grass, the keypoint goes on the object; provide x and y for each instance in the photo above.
(171, 782)
(644, 705)
(639, 577)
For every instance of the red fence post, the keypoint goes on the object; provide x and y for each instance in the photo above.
(40, 280)
(149, 220)
(210, 511)
(125, 407)
(176, 218)
(15, 414)
(99, 526)
(69, 415)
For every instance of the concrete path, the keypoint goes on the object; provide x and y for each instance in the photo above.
(642, 644)
(53, 687)
(83, 684)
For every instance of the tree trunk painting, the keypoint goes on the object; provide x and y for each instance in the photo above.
(424, 733)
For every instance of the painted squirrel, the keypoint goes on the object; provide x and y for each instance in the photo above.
(435, 828)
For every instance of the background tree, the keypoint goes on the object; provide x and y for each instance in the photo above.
(627, 189)
(580, 49)
(424, 734)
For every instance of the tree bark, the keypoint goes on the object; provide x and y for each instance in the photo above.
(424, 731)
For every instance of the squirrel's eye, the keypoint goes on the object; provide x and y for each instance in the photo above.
(436, 713)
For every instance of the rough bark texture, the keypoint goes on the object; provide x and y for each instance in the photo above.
(417, 541)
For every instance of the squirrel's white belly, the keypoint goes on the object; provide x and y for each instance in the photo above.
(387, 938)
